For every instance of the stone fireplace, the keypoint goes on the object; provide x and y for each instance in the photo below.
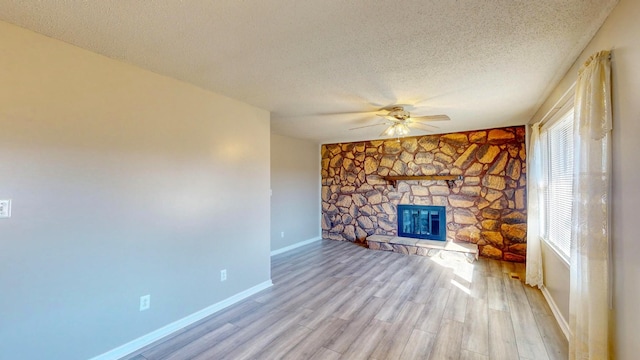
(484, 205)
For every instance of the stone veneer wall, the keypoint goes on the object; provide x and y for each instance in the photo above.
(488, 207)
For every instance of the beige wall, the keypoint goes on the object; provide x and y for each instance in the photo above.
(124, 183)
(619, 33)
(295, 183)
(556, 279)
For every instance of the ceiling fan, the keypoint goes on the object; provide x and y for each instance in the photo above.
(399, 122)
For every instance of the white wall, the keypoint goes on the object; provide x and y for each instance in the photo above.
(124, 183)
(295, 181)
(556, 279)
(620, 33)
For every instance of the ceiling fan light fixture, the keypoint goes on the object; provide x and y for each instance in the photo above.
(388, 131)
(397, 130)
(399, 122)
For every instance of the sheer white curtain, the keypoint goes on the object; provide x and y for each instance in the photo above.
(534, 192)
(590, 259)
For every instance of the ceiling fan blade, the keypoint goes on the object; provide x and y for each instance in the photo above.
(429, 124)
(426, 127)
(432, 118)
(346, 113)
(366, 126)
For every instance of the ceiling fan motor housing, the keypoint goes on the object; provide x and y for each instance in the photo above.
(399, 113)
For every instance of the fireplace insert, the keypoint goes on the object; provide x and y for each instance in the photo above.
(422, 222)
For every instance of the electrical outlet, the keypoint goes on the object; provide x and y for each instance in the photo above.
(282, 234)
(223, 275)
(5, 208)
(145, 302)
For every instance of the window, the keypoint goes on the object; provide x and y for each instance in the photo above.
(557, 172)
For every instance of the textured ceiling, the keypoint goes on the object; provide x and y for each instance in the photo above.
(484, 63)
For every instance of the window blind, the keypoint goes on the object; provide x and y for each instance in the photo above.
(559, 184)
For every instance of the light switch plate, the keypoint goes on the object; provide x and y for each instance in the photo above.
(145, 302)
(5, 208)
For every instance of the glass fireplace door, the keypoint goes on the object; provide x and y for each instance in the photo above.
(422, 222)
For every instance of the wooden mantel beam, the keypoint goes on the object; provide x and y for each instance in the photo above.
(449, 178)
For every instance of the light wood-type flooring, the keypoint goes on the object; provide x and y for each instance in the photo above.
(337, 300)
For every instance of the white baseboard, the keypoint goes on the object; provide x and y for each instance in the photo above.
(564, 326)
(149, 338)
(296, 245)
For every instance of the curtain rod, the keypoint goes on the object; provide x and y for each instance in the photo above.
(561, 103)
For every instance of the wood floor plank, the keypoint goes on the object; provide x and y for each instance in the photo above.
(396, 262)
(260, 340)
(314, 300)
(240, 337)
(463, 271)
(419, 345)
(392, 279)
(476, 327)
(445, 278)
(482, 267)
(429, 277)
(334, 299)
(526, 332)
(448, 341)
(496, 294)
(537, 301)
(502, 342)
(514, 289)
(456, 307)
(470, 355)
(363, 346)
(309, 297)
(195, 331)
(552, 336)
(180, 340)
(350, 333)
(508, 267)
(328, 308)
(289, 291)
(348, 310)
(431, 317)
(284, 265)
(394, 303)
(373, 262)
(282, 344)
(198, 346)
(479, 286)
(259, 314)
(312, 343)
(325, 354)
(393, 343)
(495, 268)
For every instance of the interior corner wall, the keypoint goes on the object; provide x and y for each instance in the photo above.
(619, 33)
(295, 185)
(123, 183)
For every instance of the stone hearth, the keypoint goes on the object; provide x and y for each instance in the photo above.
(410, 246)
